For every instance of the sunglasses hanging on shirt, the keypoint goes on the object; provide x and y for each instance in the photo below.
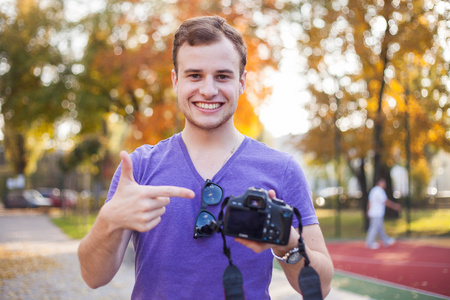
(212, 194)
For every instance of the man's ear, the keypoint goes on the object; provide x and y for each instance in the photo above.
(174, 80)
(242, 82)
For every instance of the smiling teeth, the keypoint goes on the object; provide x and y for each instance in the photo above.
(208, 105)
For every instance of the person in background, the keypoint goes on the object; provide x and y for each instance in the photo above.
(378, 200)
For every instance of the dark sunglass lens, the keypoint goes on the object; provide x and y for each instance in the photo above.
(202, 224)
(212, 194)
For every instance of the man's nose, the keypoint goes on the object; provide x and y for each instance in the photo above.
(208, 88)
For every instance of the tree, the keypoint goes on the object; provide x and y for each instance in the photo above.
(357, 54)
(127, 65)
(32, 84)
(124, 73)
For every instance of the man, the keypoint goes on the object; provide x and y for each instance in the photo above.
(156, 194)
(378, 200)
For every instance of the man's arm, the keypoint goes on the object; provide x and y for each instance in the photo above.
(394, 205)
(317, 253)
(315, 248)
(132, 208)
(101, 252)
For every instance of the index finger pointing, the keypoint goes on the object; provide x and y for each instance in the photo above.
(169, 191)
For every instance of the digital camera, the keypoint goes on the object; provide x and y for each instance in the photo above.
(254, 216)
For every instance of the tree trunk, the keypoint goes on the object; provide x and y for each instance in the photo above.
(386, 174)
(360, 175)
(15, 149)
(378, 128)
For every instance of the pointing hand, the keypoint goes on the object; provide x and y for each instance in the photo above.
(139, 207)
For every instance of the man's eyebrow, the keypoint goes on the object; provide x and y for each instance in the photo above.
(193, 71)
(225, 71)
(221, 71)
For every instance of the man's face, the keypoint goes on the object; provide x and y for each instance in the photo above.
(208, 84)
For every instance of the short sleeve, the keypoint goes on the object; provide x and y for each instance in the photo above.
(296, 192)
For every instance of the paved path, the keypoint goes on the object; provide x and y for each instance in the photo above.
(38, 261)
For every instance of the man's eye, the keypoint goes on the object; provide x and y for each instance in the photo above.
(194, 76)
(223, 77)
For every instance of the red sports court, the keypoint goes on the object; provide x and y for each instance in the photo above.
(418, 264)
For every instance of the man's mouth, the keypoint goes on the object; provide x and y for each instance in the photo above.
(211, 106)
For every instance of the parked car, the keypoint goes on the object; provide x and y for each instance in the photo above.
(26, 198)
(57, 196)
(16, 199)
(53, 193)
(70, 197)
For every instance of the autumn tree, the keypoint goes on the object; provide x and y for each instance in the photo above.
(371, 64)
(125, 73)
(32, 78)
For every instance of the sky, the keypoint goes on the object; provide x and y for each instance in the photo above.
(283, 112)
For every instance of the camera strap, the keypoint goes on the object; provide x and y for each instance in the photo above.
(233, 284)
(308, 279)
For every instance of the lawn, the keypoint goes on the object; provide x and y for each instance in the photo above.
(74, 225)
(424, 223)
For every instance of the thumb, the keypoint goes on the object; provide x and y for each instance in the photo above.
(272, 194)
(127, 167)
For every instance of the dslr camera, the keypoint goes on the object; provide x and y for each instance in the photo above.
(254, 216)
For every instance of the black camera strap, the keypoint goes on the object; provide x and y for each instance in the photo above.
(308, 279)
(233, 284)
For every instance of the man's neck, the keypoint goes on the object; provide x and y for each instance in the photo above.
(210, 149)
(219, 137)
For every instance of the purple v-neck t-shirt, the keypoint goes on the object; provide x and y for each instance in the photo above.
(170, 263)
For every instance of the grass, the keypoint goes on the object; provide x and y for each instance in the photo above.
(76, 226)
(424, 223)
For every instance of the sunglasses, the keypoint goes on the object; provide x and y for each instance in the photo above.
(211, 195)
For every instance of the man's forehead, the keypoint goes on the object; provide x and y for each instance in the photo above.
(220, 55)
(223, 41)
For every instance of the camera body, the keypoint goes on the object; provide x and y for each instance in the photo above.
(254, 216)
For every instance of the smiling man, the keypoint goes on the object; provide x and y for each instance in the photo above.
(158, 192)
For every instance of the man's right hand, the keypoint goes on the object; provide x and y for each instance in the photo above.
(133, 207)
(139, 207)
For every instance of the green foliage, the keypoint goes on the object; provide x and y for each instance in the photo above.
(31, 77)
(379, 83)
(83, 152)
(120, 76)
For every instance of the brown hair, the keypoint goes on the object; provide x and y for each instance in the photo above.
(208, 30)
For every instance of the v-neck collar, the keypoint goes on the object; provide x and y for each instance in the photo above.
(216, 178)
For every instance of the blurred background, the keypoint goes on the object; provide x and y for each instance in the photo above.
(354, 89)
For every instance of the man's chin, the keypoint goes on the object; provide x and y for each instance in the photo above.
(208, 125)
